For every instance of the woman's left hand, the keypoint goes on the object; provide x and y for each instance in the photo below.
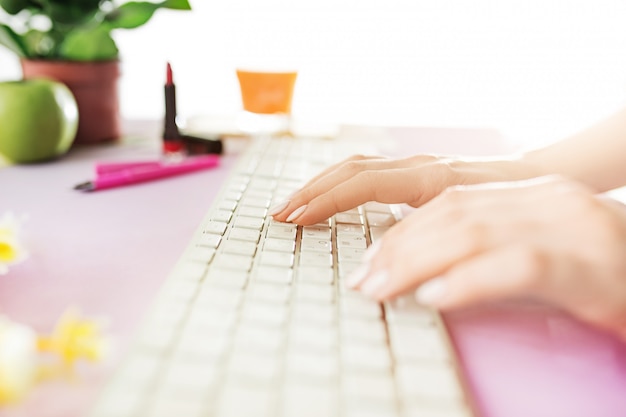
(549, 238)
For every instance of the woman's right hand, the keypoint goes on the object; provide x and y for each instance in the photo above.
(414, 181)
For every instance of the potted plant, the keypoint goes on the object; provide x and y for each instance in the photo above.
(70, 41)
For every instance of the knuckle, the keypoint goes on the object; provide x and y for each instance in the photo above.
(357, 157)
(454, 195)
(475, 237)
(353, 166)
(453, 204)
(421, 158)
(531, 267)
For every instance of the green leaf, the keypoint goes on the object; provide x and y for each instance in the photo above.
(94, 44)
(176, 4)
(71, 14)
(137, 13)
(132, 14)
(13, 6)
(38, 44)
(12, 41)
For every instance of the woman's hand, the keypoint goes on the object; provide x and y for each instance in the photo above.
(413, 180)
(549, 238)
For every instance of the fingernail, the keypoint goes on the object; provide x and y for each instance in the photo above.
(358, 276)
(372, 285)
(431, 292)
(296, 213)
(371, 251)
(278, 207)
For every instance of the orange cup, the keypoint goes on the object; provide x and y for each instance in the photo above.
(266, 92)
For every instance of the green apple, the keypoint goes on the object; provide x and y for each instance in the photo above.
(38, 120)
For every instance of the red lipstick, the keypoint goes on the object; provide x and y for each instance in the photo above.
(172, 139)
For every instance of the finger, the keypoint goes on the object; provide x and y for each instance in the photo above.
(323, 184)
(331, 169)
(491, 275)
(504, 201)
(282, 210)
(438, 236)
(385, 186)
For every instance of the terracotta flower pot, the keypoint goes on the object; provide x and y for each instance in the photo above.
(94, 85)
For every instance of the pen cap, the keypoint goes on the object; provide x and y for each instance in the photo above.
(196, 145)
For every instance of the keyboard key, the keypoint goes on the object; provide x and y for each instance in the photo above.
(347, 254)
(256, 212)
(324, 294)
(265, 314)
(309, 336)
(316, 232)
(233, 196)
(316, 275)
(211, 317)
(261, 369)
(351, 242)
(348, 218)
(405, 309)
(309, 400)
(273, 274)
(355, 330)
(213, 297)
(221, 215)
(369, 388)
(350, 229)
(119, 402)
(248, 222)
(209, 240)
(255, 201)
(360, 308)
(279, 245)
(376, 207)
(410, 342)
(239, 400)
(376, 233)
(282, 231)
(380, 219)
(239, 247)
(315, 313)
(236, 278)
(429, 381)
(420, 408)
(359, 357)
(251, 337)
(190, 271)
(249, 235)
(230, 261)
(215, 227)
(186, 379)
(316, 245)
(260, 291)
(201, 254)
(281, 259)
(316, 259)
(231, 203)
(324, 366)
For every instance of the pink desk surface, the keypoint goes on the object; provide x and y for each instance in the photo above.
(108, 252)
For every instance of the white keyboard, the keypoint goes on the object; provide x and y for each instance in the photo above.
(254, 319)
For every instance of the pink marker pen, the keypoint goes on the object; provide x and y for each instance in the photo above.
(143, 174)
(105, 168)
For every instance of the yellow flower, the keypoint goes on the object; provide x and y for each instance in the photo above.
(11, 249)
(18, 351)
(75, 337)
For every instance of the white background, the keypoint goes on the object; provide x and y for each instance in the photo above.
(536, 69)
